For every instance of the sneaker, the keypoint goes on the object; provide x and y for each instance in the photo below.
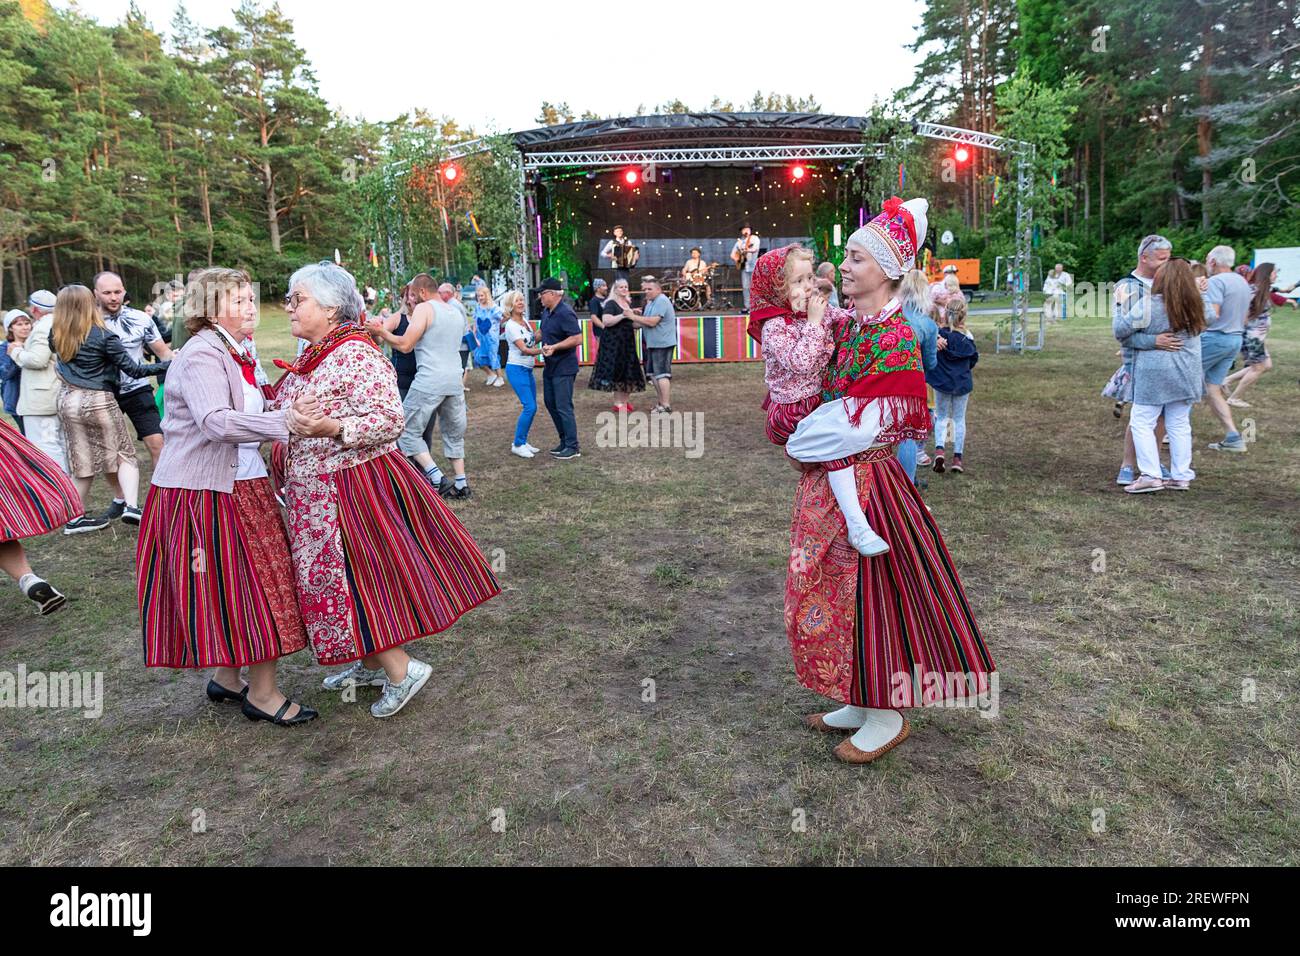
(48, 599)
(1126, 476)
(1178, 485)
(132, 516)
(938, 463)
(662, 408)
(446, 486)
(356, 674)
(397, 696)
(557, 449)
(956, 464)
(521, 450)
(1145, 484)
(922, 459)
(1118, 410)
(567, 454)
(489, 380)
(1165, 440)
(499, 383)
(115, 510)
(85, 524)
(533, 448)
(1238, 403)
(1237, 446)
(460, 494)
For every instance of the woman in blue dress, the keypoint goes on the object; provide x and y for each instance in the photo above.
(487, 320)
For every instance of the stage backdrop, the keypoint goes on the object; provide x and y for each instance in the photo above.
(700, 338)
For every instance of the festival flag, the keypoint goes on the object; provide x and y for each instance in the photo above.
(374, 256)
(902, 178)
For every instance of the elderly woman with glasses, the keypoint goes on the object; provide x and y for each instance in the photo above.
(214, 581)
(379, 560)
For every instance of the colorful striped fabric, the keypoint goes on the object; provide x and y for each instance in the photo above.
(213, 578)
(380, 559)
(36, 495)
(895, 630)
(700, 338)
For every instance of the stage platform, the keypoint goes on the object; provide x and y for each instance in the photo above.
(702, 337)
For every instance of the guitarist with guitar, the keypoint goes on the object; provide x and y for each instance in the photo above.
(745, 255)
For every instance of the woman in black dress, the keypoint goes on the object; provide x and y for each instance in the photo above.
(617, 369)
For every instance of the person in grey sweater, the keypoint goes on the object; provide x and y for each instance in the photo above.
(1164, 382)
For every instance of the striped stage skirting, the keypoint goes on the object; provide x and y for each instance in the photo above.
(895, 630)
(700, 338)
(213, 578)
(36, 495)
(380, 560)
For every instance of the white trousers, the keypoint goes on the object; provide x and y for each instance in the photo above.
(46, 433)
(1178, 426)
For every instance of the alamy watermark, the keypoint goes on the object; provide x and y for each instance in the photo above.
(625, 429)
(70, 690)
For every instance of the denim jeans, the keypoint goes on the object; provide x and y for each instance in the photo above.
(949, 407)
(521, 380)
(557, 393)
(907, 451)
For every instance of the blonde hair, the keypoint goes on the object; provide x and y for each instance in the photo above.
(796, 254)
(508, 303)
(955, 314)
(487, 292)
(914, 291)
(951, 284)
(75, 315)
(207, 293)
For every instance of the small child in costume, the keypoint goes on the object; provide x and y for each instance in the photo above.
(788, 318)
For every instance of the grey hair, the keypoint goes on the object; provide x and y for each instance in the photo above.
(1153, 242)
(599, 284)
(1225, 256)
(333, 287)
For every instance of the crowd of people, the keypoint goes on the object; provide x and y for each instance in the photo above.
(1181, 326)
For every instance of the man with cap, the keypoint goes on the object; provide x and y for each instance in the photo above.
(38, 395)
(561, 336)
(895, 630)
(136, 330)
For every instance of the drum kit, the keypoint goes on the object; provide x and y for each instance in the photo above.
(695, 291)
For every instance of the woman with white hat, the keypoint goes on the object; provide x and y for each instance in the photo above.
(894, 631)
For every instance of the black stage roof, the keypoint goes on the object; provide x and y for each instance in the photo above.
(685, 130)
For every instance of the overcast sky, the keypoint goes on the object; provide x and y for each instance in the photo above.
(456, 58)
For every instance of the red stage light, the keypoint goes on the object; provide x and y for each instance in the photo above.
(631, 177)
(797, 173)
(450, 172)
(961, 154)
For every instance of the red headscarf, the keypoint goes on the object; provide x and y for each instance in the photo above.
(768, 297)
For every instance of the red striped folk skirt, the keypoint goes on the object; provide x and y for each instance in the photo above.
(379, 559)
(36, 495)
(214, 579)
(895, 630)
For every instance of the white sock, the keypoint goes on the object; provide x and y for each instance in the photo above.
(847, 717)
(27, 582)
(878, 729)
(845, 487)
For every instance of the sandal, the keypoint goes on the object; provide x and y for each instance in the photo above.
(303, 716)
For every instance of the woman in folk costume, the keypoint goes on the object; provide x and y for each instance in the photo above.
(379, 559)
(36, 497)
(894, 631)
(213, 575)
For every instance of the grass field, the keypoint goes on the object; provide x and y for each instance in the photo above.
(1148, 711)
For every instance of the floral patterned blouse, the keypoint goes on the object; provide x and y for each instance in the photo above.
(881, 344)
(357, 386)
(795, 353)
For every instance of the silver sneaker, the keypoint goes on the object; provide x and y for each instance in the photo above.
(397, 696)
(357, 674)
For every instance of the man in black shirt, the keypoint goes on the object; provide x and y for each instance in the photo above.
(599, 289)
(561, 336)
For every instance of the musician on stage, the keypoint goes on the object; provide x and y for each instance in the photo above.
(696, 272)
(745, 255)
(619, 252)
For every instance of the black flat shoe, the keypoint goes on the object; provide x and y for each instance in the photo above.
(303, 716)
(219, 695)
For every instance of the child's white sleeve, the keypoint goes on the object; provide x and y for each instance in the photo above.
(827, 434)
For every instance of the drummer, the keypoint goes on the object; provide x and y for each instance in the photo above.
(696, 272)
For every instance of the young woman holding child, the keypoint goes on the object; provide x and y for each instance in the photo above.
(875, 634)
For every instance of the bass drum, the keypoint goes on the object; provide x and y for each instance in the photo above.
(686, 298)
